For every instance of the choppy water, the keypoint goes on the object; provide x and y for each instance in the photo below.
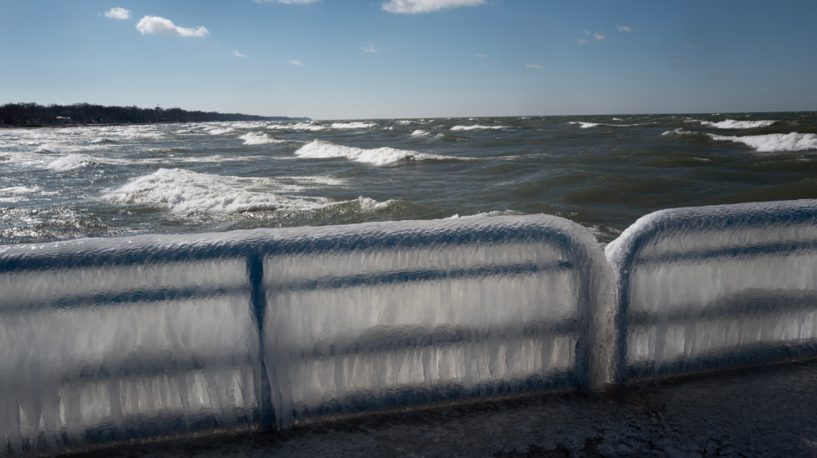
(601, 171)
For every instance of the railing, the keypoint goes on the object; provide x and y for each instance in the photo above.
(147, 336)
(107, 340)
(716, 287)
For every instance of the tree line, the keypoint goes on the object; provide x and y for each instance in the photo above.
(84, 113)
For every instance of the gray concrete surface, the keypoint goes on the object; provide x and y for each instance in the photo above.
(760, 412)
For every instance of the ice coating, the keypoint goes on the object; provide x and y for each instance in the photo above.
(107, 340)
(718, 286)
(400, 313)
(115, 339)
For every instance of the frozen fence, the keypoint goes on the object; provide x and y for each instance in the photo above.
(716, 287)
(106, 340)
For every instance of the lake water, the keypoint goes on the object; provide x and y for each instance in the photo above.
(603, 172)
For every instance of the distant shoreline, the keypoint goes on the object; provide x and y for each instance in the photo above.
(118, 124)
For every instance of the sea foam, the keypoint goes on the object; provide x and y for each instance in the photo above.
(771, 143)
(478, 127)
(353, 125)
(376, 156)
(732, 124)
(256, 138)
(185, 191)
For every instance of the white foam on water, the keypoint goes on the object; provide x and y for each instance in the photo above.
(588, 125)
(376, 156)
(678, 131)
(420, 133)
(732, 124)
(184, 191)
(353, 125)
(772, 143)
(72, 161)
(310, 126)
(405, 121)
(220, 130)
(478, 127)
(259, 138)
(617, 119)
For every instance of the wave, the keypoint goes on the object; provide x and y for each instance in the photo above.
(310, 126)
(489, 214)
(588, 125)
(478, 127)
(220, 130)
(732, 124)
(19, 190)
(772, 143)
(184, 191)
(420, 133)
(72, 161)
(376, 156)
(259, 138)
(353, 125)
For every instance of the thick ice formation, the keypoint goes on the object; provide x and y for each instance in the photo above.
(112, 339)
(716, 286)
(380, 315)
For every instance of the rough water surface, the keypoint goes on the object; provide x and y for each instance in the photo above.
(603, 172)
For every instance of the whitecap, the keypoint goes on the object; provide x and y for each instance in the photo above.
(72, 161)
(617, 119)
(732, 124)
(478, 127)
(220, 130)
(185, 191)
(420, 133)
(259, 138)
(376, 156)
(772, 143)
(585, 125)
(310, 126)
(353, 125)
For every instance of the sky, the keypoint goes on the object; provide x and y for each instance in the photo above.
(366, 59)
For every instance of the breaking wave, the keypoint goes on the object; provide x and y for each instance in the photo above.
(772, 143)
(185, 191)
(376, 156)
(732, 124)
(72, 161)
(478, 127)
(353, 125)
(254, 138)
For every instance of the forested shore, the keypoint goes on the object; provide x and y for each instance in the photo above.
(34, 115)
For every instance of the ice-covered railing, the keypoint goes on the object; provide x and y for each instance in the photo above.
(380, 315)
(106, 340)
(716, 287)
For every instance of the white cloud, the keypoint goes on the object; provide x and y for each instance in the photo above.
(162, 26)
(481, 56)
(598, 36)
(624, 28)
(582, 41)
(295, 63)
(237, 54)
(587, 32)
(532, 66)
(369, 48)
(426, 6)
(118, 13)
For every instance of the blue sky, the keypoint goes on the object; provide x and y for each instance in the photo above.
(350, 59)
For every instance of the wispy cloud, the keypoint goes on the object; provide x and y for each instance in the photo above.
(118, 13)
(295, 63)
(426, 6)
(624, 28)
(368, 47)
(481, 56)
(533, 66)
(591, 36)
(237, 54)
(162, 26)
